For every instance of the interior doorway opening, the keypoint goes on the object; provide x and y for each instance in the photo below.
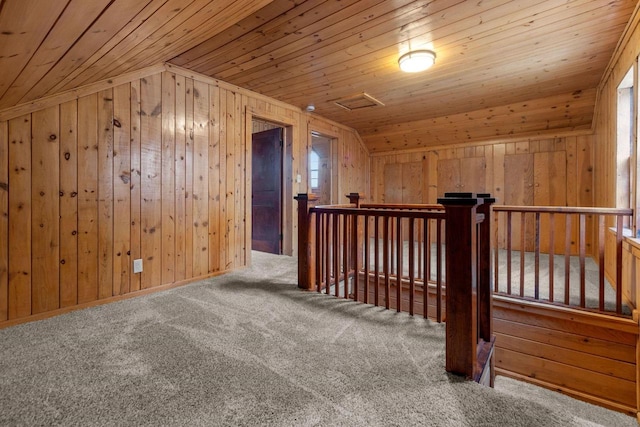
(267, 186)
(321, 158)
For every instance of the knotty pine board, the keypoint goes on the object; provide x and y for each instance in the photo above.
(122, 143)
(88, 198)
(4, 220)
(168, 181)
(215, 183)
(189, 159)
(200, 179)
(151, 172)
(68, 204)
(105, 193)
(135, 282)
(20, 217)
(180, 178)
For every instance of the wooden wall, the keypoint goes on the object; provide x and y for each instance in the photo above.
(541, 172)
(605, 125)
(151, 168)
(553, 172)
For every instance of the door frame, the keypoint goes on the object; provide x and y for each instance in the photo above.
(333, 160)
(333, 133)
(289, 220)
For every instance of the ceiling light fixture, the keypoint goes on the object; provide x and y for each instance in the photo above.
(417, 60)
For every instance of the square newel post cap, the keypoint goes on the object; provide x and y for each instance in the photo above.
(465, 199)
(306, 196)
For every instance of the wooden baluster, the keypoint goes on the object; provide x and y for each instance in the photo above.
(366, 259)
(376, 261)
(336, 258)
(509, 253)
(427, 251)
(426, 261)
(354, 253)
(536, 278)
(619, 235)
(399, 264)
(439, 270)
(601, 261)
(567, 258)
(412, 278)
(345, 254)
(419, 234)
(391, 242)
(583, 250)
(328, 250)
(523, 232)
(385, 260)
(496, 240)
(319, 251)
(552, 245)
(485, 294)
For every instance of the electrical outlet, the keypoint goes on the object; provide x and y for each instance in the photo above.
(137, 266)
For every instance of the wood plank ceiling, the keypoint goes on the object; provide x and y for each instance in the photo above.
(506, 66)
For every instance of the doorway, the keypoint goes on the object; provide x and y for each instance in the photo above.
(320, 162)
(266, 194)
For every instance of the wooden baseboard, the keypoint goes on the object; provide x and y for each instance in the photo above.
(52, 313)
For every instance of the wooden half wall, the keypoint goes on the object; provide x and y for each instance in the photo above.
(152, 167)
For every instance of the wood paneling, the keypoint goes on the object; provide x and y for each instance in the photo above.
(150, 169)
(556, 172)
(578, 353)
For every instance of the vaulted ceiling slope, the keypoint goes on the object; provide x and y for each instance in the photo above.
(504, 67)
(48, 46)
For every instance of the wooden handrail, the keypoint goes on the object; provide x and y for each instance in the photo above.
(409, 206)
(564, 210)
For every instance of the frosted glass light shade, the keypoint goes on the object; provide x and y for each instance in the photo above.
(418, 60)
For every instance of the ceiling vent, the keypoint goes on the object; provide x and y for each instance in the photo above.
(358, 102)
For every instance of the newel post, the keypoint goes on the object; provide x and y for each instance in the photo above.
(469, 340)
(354, 199)
(357, 237)
(306, 241)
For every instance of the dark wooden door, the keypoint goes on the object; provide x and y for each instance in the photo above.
(266, 182)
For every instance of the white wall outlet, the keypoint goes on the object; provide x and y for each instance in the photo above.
(299, 178)
(137, 266)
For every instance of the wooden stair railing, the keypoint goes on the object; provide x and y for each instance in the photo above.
(470, 338)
